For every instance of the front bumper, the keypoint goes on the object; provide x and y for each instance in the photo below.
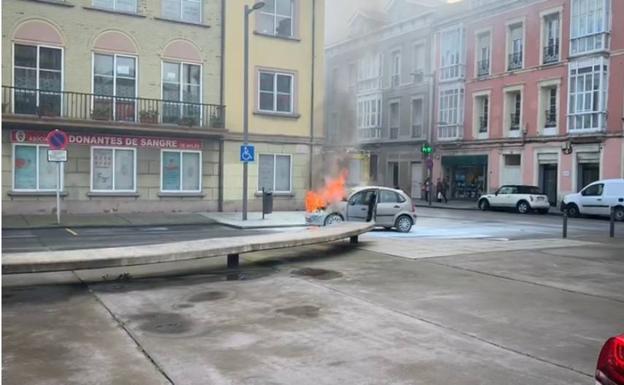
(315, 219)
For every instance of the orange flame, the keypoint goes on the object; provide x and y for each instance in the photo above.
(333, 191)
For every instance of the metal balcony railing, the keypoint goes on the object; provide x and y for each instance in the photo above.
(83, 106)
(515, 61)
(551, 119)
(483, 67)
(514, 122)
(551, 52)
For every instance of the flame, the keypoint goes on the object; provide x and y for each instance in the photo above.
(333, 191)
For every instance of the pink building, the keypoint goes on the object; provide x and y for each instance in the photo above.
(529, 92)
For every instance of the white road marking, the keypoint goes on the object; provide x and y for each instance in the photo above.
(72, 232)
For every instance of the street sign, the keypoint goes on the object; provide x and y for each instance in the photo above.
(57, 155)
(247, 153)
(429, 163)
(57, 140)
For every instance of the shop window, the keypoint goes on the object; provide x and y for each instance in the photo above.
(274, 173)
(180, 171)
(113, 169)
(31, 169)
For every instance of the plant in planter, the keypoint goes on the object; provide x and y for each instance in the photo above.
(216, 121)
(188, 121)
(149, 116)
(102, 112)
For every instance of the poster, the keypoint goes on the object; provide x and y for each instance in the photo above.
(25, 167)
(171, 171)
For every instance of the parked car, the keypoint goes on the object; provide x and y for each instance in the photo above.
(393, 209)
(610, 367)
(521, 198)
(597, 198)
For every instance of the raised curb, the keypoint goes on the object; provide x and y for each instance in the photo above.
(37, 262)
(424, 205)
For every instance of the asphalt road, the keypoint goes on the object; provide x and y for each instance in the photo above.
(527, 308)
(90, 238)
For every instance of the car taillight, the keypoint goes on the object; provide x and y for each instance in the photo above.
(611, 361)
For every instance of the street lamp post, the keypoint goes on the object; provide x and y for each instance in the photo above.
(248, 11)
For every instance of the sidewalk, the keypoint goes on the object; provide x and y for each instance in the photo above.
(255, 221)
(463, 205)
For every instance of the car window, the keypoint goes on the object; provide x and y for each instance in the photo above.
(533, 190)
(361, 198)
(389, 197)
(593, 190)
(505, 190)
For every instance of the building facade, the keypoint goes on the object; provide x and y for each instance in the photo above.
(379, 101)
(140, 90)
(535, 95)
(286, 120)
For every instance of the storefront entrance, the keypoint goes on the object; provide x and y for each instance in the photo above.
(467, 175)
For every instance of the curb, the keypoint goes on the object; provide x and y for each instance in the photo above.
(63, 226)
(259, 227)
(470, 209)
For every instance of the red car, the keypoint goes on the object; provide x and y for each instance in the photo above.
(610, 368)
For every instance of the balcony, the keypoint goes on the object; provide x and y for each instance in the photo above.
(483, 67)
(514, 122)
(394, 133)
(449, 132)
(452, 72)
(77, 106)
(550, 119)
(369, 134)
(551, 52)
(515, 61)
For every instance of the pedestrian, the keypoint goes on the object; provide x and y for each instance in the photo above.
(372, 200)
(445, 189)
(427, 189)
(439, 190)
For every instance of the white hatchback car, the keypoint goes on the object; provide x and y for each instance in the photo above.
(597, 199)
(521, 198)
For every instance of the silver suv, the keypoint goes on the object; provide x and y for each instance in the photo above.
(391, 208)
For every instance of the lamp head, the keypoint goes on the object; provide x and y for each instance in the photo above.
(257, 5)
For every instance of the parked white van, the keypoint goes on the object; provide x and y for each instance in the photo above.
(597, 199)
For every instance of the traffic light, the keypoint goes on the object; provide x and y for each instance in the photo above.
(426, 149)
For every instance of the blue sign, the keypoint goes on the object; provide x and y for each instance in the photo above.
(247, 153)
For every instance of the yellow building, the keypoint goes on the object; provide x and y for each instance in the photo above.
(286, 96)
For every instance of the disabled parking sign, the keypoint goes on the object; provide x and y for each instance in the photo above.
(247, 153)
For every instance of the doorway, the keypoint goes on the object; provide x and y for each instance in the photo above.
(393, 172)
(586, 174)
(548, 181)
(417, 180)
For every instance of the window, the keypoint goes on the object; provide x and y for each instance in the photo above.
(113, 169)
(185, 10)
(451, 54)
(181, 88)
(419, 58)
(394, 120)
(513, 160)
(513, 111)
(395, 79)
(368, 112)
(551, 38)
(482, 104)
(38, 80)
(31, 169)
(275, 92)
(515, 46)
(180, 171)
(372, 172)
(386, 196)
(451, 114)
(483, 54)
(593, 190)
(589, 26)
(352, 74)
(276, 18)
(417, 118)
(551, 107)
(588, 95)
(274, 173)
(117, 5)
(114, 84)
(369, 72)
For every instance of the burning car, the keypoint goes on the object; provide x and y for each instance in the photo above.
(391, 208)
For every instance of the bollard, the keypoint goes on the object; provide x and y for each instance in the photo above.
(612, 224)
(565, 222)
(353, 240)
(232, 261)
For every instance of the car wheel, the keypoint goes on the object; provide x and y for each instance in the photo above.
(333, 219)
(543, 211)
(484, 205)
(573, 210)
(404, 224)
(619, 214)
(523, 207)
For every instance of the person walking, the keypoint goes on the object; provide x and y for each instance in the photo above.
(445, 189)
(372, 200)
(439, 190)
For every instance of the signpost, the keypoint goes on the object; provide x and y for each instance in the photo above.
(427, 150)
(57, 141)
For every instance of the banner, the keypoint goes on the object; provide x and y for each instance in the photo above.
(27, 136)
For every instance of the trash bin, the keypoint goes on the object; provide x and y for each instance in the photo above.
(267, 202)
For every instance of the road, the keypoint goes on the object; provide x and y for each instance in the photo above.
(466, 298)
(432, 223)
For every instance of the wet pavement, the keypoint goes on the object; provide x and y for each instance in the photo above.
(335, 315)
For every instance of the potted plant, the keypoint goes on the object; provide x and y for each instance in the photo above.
(187, 121)
(149, 116)
(102, 112)
(216, 121)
